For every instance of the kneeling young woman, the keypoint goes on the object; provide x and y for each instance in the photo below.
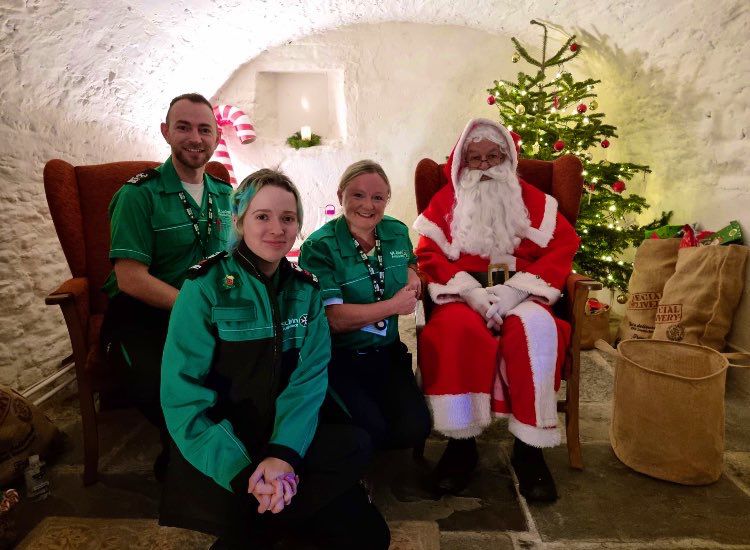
(244, 374)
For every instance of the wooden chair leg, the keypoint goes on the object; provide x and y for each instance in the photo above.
(90, 434)
(572, 419)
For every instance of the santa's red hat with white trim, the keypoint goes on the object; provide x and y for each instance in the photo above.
(478, 129)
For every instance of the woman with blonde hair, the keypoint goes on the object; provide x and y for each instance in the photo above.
(367, 270)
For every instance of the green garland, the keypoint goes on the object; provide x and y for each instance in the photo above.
(296, 141)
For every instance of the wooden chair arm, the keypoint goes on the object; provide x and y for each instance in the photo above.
(73, 298)
(72, 289)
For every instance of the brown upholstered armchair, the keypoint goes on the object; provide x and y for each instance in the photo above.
(78, 198)
(562, 179)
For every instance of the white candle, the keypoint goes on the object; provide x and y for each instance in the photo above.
(306, 133)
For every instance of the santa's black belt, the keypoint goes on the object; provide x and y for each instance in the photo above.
(496, 274)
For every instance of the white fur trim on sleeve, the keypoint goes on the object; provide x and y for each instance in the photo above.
(543, 235)
(540, 289)
(451, 291)
(430, 229)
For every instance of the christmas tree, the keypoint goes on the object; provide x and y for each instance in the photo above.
(557, 115)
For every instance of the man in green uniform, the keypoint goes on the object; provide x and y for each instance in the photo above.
(162, 221)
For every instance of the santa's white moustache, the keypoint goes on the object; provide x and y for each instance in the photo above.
(501, 174)
(489, 217)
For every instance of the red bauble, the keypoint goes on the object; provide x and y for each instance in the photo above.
(581, 108)
(574, 47)
(559, 145)
(589, 186)
(618, 186)
(556, 102)
(491, 100)
(605, 143)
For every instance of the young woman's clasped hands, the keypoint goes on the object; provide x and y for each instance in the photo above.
(273, 484)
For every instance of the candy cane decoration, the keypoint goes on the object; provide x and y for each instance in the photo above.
(226, 115)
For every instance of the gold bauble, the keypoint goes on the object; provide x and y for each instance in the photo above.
(605, 163)
(621, 298)
(594, 105)
(535, 148)
(520, 109)
(516, 57)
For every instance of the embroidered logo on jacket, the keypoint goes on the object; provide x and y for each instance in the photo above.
(294, 322)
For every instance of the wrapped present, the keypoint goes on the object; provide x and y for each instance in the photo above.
(664, 232)
(688, 237)
(729, 234)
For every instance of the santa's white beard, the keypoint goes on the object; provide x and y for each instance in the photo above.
(489, 217)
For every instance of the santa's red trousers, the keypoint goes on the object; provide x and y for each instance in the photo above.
(470, 374)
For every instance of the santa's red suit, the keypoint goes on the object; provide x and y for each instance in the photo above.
(469, 373)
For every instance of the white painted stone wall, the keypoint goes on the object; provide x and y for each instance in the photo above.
(89, 81)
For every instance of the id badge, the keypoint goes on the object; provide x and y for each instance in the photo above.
(380, 328)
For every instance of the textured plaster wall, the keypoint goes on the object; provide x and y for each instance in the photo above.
(89, 81)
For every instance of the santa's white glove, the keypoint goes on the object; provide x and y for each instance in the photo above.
(507, 298)
(478, 299)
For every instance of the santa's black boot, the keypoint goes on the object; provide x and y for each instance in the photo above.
(534, 478)
(455, 468)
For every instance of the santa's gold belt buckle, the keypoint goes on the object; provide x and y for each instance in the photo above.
(492, 269)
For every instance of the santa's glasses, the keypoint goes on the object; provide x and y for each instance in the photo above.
(492, 159)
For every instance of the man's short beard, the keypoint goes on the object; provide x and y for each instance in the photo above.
(489, 217)
(185, 159)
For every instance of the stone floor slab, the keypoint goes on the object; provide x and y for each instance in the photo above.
(76, 533)
(60, 533)
(414, 535)
(597, 377)
(737, 422)
(594, 422)
(488, 504)
(475, 541)
(608, 501)
(737, 465)
(124, 495)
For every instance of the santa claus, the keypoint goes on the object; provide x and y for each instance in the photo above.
(493, 348)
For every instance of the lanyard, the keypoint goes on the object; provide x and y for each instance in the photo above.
(376, 277)
(194, 221)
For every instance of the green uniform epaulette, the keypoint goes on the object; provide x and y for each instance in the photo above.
(140, 177)
(203, 266)
(305, 275)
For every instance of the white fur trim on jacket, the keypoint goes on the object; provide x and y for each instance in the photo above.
(536, 437)
(543, 235)
(540, 331)
(458, 151)
(431, 230)
(460, 416)
(540, 289)
(451, 291)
